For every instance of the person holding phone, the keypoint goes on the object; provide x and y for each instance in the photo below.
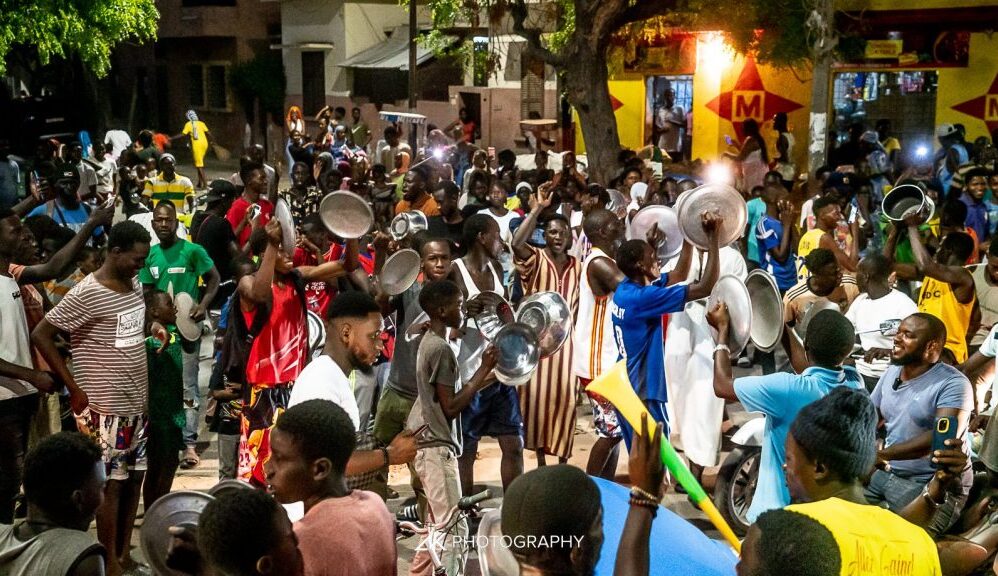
(915, 391)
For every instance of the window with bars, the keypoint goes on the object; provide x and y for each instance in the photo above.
(208, 86)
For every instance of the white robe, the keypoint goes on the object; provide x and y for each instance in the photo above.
(695, 413)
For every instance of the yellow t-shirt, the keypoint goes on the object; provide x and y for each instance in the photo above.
(937, 298)
(874, 541)
(808, 242)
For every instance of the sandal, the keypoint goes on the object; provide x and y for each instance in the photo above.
(190, 460)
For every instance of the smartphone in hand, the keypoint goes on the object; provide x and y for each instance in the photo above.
(945, 429)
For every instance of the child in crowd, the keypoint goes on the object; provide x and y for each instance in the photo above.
(438, 406)
(166, 395)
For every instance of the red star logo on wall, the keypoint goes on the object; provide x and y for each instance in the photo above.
(749, 99)
(984, 107)
(616, 104)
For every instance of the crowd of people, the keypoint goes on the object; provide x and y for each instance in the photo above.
(115, 266)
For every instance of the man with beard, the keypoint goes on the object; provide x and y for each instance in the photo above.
(353, 342)
(914, 391)
(415, 193)
(495, 411)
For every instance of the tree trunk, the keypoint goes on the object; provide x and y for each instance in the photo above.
(586, 86)
(818, 125)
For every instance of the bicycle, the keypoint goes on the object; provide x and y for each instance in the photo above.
(431, 533)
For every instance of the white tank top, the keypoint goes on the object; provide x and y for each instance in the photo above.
(473, 342)
(594, 348)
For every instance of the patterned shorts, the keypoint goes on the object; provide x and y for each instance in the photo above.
(122, 440)
(604, 415)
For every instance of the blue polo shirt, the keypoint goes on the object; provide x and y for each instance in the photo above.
(780, 397)
(637, 325)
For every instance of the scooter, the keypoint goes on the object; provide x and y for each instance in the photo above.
(739, 474)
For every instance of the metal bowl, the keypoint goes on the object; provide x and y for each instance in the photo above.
(182, 508)
(282, 213)
(346, 214)
(731, 290)
(399, 271)
(767, 310)
(720, 199)
(904, 200)
(496, 313)
(407, 223)
(518, 354)
(668, 224)
(549, 316)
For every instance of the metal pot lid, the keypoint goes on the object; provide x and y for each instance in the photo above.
(282, 213)
(186, 325)
(668, 224)
(549, 316)
(399, 271)
(228, 486)
(767, 310)
(407, 223)
(720, 199)
(496, 313)
(494, 557)
(519, 353)
(731, 290)
(618, 204)
(182, 508)
(809, 312)
(346, 214)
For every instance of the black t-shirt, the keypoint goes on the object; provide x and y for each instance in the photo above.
(437, 228)
(214, 234)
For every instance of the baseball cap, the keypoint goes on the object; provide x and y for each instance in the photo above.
(219, 190)
(944, 130)
(62, 171)
(838, 181)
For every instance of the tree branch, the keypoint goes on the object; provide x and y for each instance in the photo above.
(642, 10)
(535, 46)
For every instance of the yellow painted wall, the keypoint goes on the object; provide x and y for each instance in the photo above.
(714, 79)
(630, 116)
(977, 80)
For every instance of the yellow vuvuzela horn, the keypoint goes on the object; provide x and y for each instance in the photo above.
(616, 388)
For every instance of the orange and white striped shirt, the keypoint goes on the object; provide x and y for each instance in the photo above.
(594, 348)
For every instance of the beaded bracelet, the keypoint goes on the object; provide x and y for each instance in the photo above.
(642, 494)
(651, 505)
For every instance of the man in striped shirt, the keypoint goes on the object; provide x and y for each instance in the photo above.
(168, 185)
(105, 315)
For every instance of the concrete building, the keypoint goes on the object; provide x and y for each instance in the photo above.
(344, 53)
(199, 42)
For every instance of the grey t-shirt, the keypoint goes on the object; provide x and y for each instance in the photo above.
(436, 364)
(402, 375)
(911, 410)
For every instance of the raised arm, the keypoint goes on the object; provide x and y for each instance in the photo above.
(702, 287)
(538, 202)
(682, 269)
(724, 382)
(647, 471)
(256, 288)
(957, 276)
(331, 270)
(847, 262)
(65, 256)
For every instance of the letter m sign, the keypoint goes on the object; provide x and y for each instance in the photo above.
(747, 104)
(991, 108)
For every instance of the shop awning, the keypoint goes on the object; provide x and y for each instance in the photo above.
(392, 54)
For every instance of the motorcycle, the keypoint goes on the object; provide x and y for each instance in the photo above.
(739, 474)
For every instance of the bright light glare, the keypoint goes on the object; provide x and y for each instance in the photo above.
(719, 173)
(922, 151)
(713, 50)
(438, 153)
